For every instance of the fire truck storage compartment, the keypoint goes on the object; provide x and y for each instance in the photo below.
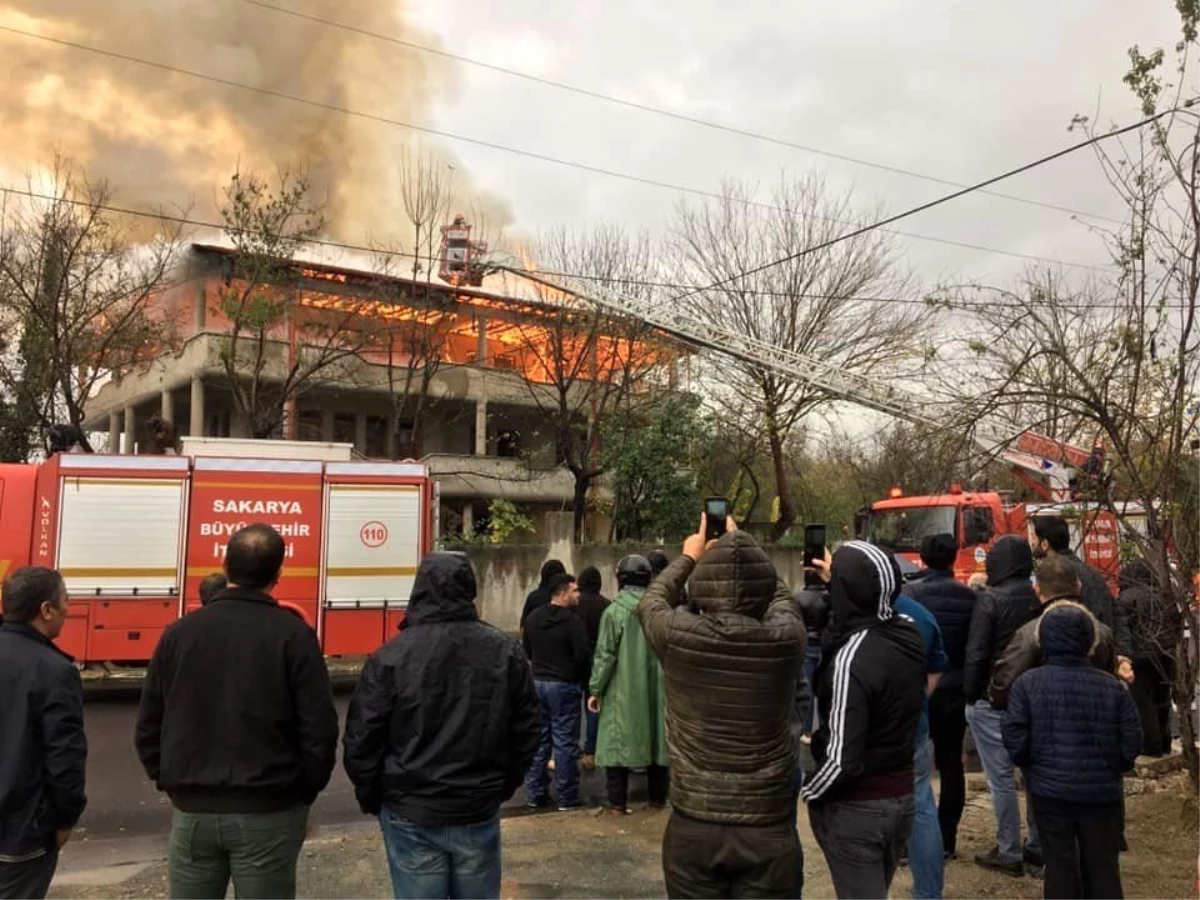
(374, 528)
(17, 481)
(230, 493)
(119, 543)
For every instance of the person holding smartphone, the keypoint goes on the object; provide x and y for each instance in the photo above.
(731, 659)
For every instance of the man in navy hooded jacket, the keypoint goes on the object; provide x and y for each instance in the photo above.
(1074, 729)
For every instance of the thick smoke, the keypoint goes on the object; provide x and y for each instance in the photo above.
(167, 139)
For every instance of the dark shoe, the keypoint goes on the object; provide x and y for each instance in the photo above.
(570, 807)
(537, 804)
(1032, 859)
(617, 811)
(993, 861)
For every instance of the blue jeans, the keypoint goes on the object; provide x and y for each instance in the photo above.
(812, 661)
(442, 861)
(985, 721)
(925, 842)
(560, 704)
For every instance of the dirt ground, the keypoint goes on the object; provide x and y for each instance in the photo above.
(586, 854)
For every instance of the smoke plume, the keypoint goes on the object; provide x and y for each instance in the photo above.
(167, 139)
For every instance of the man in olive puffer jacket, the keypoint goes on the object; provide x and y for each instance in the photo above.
(730, 671)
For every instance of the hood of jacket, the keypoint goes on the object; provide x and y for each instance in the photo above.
(1136, 574)
(1010, 558)
(589, 580)
(444, 590)
(735, 576)
(550, 568)
(865, 582)
(1067, 629)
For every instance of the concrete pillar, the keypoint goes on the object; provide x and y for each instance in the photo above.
(481, 348)
(360, 433)
(327, 425)
(199, 309)
(114, 432)
(481, 446)
(468, 519)
(197, 417)
(167, 407)
(130, 429)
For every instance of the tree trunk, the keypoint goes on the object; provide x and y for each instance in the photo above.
(583, 481)
(787, 506)
(1183, 692)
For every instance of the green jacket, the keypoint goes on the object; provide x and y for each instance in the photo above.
(627, 677)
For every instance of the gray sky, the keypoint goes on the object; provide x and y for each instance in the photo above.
(957, 89)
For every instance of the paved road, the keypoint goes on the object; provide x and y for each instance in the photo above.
(122, 803)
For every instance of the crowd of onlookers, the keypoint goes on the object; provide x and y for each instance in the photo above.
(739, 699)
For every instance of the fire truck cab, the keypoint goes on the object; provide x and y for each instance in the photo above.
(978, 519)
(133, 537)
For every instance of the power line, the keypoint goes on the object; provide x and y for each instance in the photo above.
(575, 276)
(1041, 161)
(530, 154)
(659, 111)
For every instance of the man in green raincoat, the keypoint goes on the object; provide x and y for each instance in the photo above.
(627, 690)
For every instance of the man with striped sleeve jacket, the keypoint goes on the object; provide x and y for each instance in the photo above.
(870, 693)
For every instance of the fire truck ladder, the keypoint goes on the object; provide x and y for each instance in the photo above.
(832, 380)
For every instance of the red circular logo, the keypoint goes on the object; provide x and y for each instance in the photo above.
(373, 534)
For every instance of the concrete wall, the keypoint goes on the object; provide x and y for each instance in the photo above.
(507, 574)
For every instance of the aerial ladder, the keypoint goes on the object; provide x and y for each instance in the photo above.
(1046, 465)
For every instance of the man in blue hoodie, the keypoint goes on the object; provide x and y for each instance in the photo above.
(1074, 729)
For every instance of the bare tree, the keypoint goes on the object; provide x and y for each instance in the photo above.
(1120, 359)
(581, 364)
(282, 340)
(76, 298)
(813, 303)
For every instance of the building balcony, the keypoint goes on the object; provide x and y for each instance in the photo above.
(462, 476)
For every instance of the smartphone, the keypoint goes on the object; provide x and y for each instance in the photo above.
(715, 512)
(814, 543)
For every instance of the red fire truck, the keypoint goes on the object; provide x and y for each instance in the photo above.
(134, 536)
(978, 518)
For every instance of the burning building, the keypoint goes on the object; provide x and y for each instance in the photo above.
(471, 374)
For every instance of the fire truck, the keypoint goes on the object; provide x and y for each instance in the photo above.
(133, 536)
(976, 519)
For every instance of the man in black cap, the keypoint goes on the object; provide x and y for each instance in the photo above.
(951, 603)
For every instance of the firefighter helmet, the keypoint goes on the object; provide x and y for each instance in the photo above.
(634, 571)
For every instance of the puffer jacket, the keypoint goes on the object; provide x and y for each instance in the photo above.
(731, 671)
(871, 687)
(1007, 603)
(444, 721)
(1072, 727)
(1024, 652)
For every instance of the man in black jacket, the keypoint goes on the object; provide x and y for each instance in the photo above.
(441, 730)
(43, 752)
(557, 646)
(540, 595)
(237, 725)
(1054, 538)
(871, 692)
(1007, 603)
(951, 603)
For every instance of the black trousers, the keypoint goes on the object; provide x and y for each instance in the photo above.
(1151, 690)
(1081, 844)
(28, 879)
(947, 727)
(709, 859)
(658, 784)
